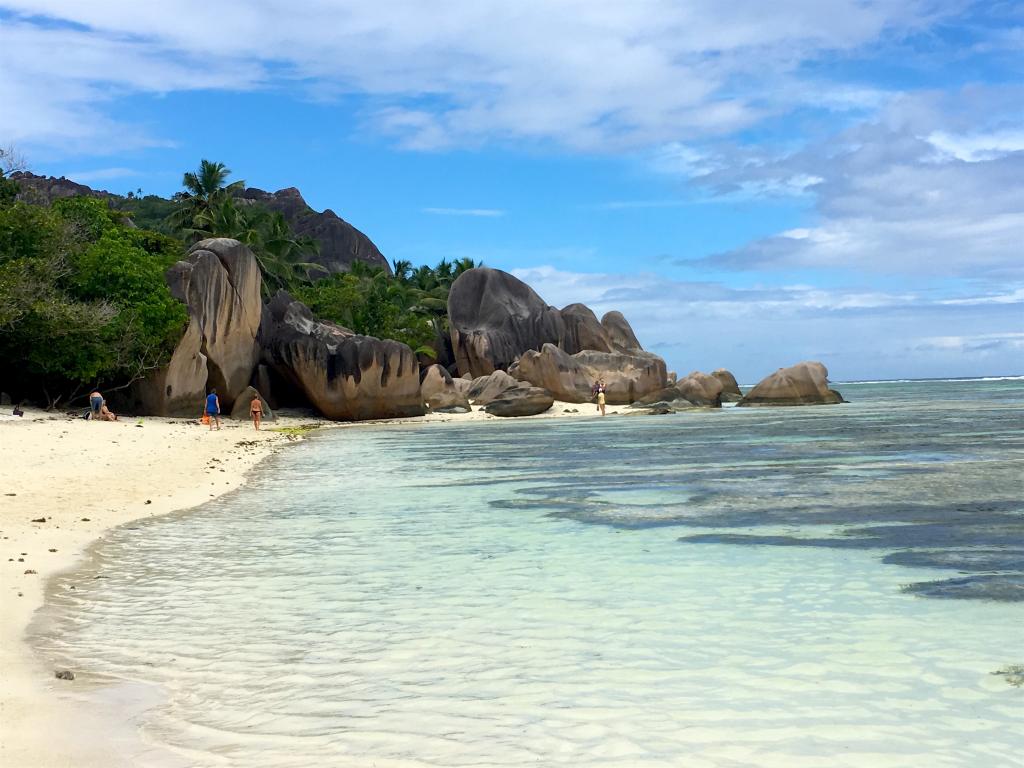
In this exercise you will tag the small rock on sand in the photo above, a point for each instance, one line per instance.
(64, 674)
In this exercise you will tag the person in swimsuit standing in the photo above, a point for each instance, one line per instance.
(256, 411)
(213, 408)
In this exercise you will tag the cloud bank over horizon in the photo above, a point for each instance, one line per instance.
(889, 133)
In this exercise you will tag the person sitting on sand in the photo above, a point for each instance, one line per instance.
(213, 408)
(105, 413)
(95, 404)
(256, 411)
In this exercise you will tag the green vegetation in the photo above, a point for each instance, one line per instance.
(410, 307)
(83, 299)
(209, 207)
(84, 302)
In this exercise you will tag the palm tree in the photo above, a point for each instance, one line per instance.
(464, 265)
(204, 190)
(402, 268)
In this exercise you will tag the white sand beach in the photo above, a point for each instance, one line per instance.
(63, 483)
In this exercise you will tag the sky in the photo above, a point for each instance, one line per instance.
(753, 184)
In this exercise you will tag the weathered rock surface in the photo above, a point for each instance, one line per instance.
(582, 330)
(731, 392)
(440, 391)
(484, 389)
(701, 389)
(220, 284)
(340, 242)
(570, 378)
(521, 401)
(241, 409)
(801, 384)
(345, 376)
(495, 318)
(620, 332)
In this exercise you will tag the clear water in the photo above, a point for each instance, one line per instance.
(704, 589)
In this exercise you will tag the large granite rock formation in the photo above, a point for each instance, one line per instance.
(582, 330)
(521, 401)
(340, 242)
(801, 384)
(441, 392)
(220, 284)
(484, 389)
(345, 376)
(620, 332)
(700, 389)
(494, 318)
(731, 392)
(570, 378)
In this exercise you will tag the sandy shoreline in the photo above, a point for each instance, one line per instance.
(65, 482)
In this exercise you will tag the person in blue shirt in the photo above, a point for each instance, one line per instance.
(213, 408)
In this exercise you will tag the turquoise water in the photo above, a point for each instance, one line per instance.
(830, 586)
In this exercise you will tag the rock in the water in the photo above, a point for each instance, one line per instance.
(441, 393)
(731, 392)
(220, 285)
(583, 330)
(484, 389)
(346, 377)
(495, 318)
(620, 332)
(701, 389)
(801, 384)
(521, 401)
(241, 409)
(570, 378)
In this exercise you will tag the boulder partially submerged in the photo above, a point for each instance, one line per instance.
(801, 384)
(701, 389)
(731, 392)
(345, 376)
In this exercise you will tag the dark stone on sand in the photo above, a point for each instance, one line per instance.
(39, 520)
(64, 674)
(521, 401)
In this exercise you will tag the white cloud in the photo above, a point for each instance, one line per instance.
(593, 74)
(487, 213)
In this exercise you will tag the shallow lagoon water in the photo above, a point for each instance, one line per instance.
(704, 589)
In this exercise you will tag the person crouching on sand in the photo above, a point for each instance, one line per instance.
(256, 411)
(95, 404)
(213, 408)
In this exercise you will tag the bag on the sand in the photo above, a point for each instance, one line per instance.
(206, 418)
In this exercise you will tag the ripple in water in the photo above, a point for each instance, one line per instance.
(512, 594)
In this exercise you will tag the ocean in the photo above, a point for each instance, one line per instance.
(820, 586)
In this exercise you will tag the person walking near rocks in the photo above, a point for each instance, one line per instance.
(213, 408)
(256, 411)
(95, 404)
(599, 389)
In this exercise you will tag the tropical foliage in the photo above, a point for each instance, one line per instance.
(411, 306)
(83, 299)
(209, 207)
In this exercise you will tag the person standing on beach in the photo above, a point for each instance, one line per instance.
(213, 408)
(256, 411)
(600, 396)
(95, 404)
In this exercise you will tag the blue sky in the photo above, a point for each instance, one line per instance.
(753, 184)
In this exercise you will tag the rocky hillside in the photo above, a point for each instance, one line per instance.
(340, 242)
